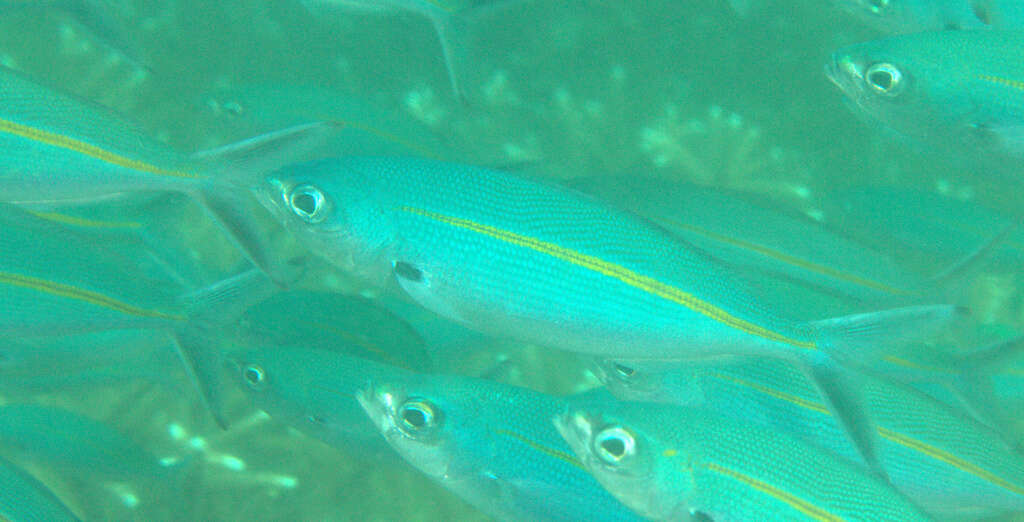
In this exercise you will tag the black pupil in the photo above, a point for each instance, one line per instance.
(414, 417)
(881, 79)
(304, 202)
(614, 446)
(253, 375)
(407, 271)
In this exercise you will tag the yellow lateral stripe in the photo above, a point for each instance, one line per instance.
(893, 436)
(623, 274)
(87, 296)
(950, 459)
(561, 455)
(810, 266)
(1013, 84)
(799, 504)
(81, 147)
(788, 397)
(84, 222)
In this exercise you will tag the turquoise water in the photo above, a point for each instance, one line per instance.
(686, 92)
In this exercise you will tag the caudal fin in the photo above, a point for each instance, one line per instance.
(860, 339)
(242, 165)
(210, 309)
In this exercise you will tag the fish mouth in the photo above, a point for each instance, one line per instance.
(844, 73)
(378, 405)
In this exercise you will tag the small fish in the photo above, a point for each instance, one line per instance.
(947, 463)
(517, 258)
(442, 16)
(367, 130)
(673, 463)
(491, 444)
(75, 443)
(355, 325)
(967, 102)
(23, 498)
(45, 296)
(60, 149)
(314, 391)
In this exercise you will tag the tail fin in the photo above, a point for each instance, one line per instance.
(853, 342)
(968, 266)
(860, 339)
(241, 166)
(452, 47)
(212, 307)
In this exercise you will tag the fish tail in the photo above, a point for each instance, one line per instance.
(212, 308)
(242, 165)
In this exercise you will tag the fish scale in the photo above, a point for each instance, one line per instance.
(692, 460)
(497, 250)
(951, 465)
(495, 447)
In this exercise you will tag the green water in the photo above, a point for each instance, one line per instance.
(685, 91)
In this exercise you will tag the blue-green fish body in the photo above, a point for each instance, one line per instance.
(785, 252)
(955, 90)
(946, 462)
(924, 225)
(75, 443)
(519, 258)
(355, 325)
(314, 391)
(25, 499)
(45, 295)
(491, 444)
(669, 463)
(61, 149)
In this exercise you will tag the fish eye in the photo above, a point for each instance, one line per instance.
(884, 78)
(309, 203)
(418, 415)
(613, 445)
(255, 377)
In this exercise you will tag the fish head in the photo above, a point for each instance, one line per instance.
(883, 84)
(622, 459)
(292, 385)
(329, 207)
(414, 425)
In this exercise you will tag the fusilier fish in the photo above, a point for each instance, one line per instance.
(491, 444)
(519, 258)
(958, 91)
(946, 462)
(674, 463)
(60, 149)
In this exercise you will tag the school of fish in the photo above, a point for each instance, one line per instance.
(179, 324)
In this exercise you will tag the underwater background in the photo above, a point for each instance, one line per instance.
(685, 92)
